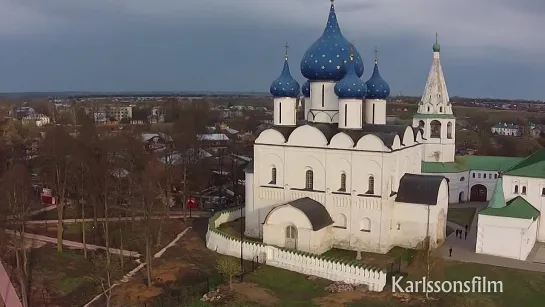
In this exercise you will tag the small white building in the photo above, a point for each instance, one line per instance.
(36, 119)
(507, 229)
(507, 129)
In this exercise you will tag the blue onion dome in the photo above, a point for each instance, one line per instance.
(351, 86)
(327, 59)
(377, 88)
(306, 89)
(285, 85)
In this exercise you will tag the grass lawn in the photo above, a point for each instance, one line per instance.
(234, 229)
(60, 279)
(520, 288)
(461, 216)
(383, 261)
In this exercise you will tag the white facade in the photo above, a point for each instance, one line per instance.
(324, 104)
(505, 237)
(350, 113)
(375, 111)
(285, 111)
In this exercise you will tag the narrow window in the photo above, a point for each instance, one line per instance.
(345, 114)
(473, 175)
(323, 96)
(273, 176)
(371, 188)
(309, 180)
(516, 189)
(279, 113)
(523, 190)
(343, 183)
(479, 175)
(440, 109)
(373, 120)
(495, 176)
(542, 191)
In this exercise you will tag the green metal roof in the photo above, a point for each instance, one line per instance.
(497, 200)
(471, 162)
(533, 166)
(420, 115)
(517, 208)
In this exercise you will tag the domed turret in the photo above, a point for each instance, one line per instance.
(351, 86)
(327, 59)
(377, 92)
(377, 88)
(285, 91)
(306, 89)
(285, 85)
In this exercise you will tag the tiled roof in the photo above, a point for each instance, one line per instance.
(471, 162)
(533, 166)
(517, 208)
(447, 116)
(419, 189)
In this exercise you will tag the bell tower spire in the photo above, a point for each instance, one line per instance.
(434, 114)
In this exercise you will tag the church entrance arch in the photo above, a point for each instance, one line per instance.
(461, 197)
(291, 237)
(478, 193)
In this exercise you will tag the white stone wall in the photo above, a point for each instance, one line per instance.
(534, 195)
(285, 111)
(375, 111)
(505, 237)
(307, 264)
(350, 113)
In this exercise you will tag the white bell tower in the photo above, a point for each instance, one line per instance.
(434, 115)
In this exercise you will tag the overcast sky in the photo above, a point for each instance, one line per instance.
(489, 48)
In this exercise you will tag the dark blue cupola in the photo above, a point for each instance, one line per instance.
(306, 89)
(285, 85)
(327, 59)
(377, 88)
(351, 86)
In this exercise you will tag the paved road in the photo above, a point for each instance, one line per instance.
(117, 219)
(7, 291)
(77, 245)
(464, 250)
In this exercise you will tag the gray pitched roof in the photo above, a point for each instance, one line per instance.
(315, 211)
(419, 189)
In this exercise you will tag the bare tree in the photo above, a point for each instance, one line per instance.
(428, 263)
(229, 267)
(56, 151)
(15, 190)
(104, 272)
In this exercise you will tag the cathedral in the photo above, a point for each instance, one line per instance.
(345, 178)
(339, 178)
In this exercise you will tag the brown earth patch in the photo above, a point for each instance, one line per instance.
(339, 299)
(248, 292)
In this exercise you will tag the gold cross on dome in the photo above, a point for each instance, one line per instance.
(286, 46)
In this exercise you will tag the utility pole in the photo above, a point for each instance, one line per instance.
(241, 242)
(185, 189)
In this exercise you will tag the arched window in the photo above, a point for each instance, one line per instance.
(428, 109)
(463, 179)
(479, 175)
(524, 190)
(371, 183)
(343, 183)
(516, 189)
(421, 124)
(435, 126)
(473, 175)
(365, 225)
(323, 95)
(495, 176)
(440, 109)
(273, 175)
(340, 221)
(449, 130)
(309, 180)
